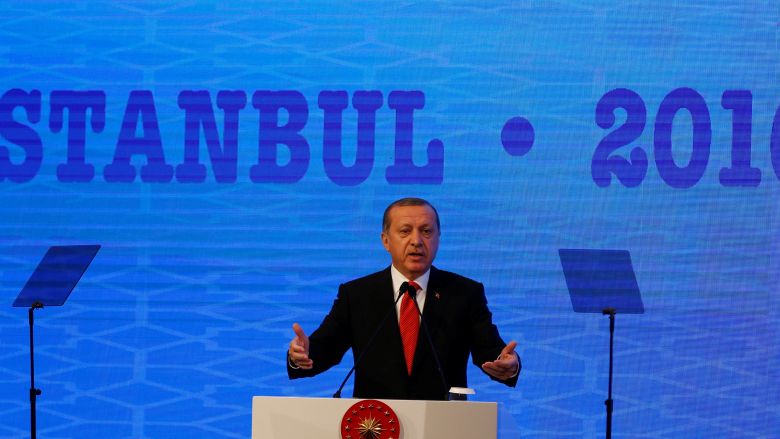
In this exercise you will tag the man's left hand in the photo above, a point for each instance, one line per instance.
(506, 366)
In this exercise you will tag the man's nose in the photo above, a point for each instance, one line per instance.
(416, 238)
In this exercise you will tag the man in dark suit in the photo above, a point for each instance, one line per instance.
(398, 363)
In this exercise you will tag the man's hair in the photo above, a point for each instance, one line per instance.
(409, 201)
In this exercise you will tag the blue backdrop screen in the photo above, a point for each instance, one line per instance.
(234, 160)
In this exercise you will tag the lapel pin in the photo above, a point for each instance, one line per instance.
(437, 295)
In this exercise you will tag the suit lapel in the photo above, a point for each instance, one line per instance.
(386, 293)
(430, 315)
(431, 310)
(392, 337)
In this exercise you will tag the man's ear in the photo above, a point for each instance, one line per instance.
(385, 241)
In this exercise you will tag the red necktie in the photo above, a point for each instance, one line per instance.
(410, 326)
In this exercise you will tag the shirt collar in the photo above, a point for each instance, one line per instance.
(399, 278)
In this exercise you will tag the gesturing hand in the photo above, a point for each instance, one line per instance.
(506, 366)
(298, 352)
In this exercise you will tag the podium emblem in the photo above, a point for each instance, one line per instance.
(370, 419)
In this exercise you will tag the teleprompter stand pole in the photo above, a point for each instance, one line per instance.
(611, 313)
(33, 391)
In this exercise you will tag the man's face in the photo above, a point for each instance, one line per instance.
(412, 239)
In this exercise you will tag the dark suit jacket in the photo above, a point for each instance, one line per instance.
(455, 312)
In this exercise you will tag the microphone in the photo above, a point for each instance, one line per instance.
(413, 294)
(405, 287)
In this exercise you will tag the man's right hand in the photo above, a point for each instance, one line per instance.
(298, 354)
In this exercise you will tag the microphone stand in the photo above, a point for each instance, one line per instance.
(404, 288)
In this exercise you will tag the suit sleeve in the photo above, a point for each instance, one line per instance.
(330, 341)
(486, 343)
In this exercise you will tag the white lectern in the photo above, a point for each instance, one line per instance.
(284, 418)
